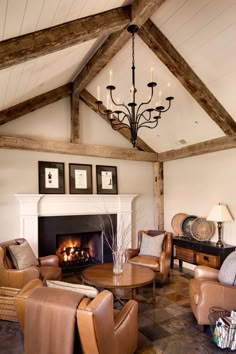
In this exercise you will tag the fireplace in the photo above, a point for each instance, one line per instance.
(77, 240)
(81, 249)
(33, 207)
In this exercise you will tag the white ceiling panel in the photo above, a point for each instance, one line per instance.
(204, 33)
(43, 74)
(18, 17)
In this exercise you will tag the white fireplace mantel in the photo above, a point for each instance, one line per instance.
(34, 205)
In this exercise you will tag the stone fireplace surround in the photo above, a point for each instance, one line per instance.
(32, 206)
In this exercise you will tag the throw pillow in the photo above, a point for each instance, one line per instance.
(151, 245)
(88, 291)
(227, 273)
(22, 255)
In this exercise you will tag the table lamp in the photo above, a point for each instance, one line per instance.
(219, 213)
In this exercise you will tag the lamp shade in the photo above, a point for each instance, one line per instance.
(219, 213)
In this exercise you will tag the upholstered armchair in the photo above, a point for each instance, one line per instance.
(10, 276)
(205, 291)
(159, 262)
(101, 329)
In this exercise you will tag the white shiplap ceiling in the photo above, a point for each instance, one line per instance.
(202, 31)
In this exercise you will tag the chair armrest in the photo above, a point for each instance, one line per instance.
(130, 309)
(131, 252)
(126, 327)
(215, 294)
(20, 300)
(17, 278)
(205, 272)
(49, 261)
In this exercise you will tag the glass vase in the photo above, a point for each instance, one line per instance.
(118, 262)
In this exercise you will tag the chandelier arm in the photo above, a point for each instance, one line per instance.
(121, 120)
(122, 125)
(118, 104)
(165, 110)
(141, 115)
(144, 103)
(148, 120)
(144, 124)
(100, 111)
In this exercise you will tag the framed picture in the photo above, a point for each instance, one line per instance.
(80, 179)
(51, 177)
(106, 179)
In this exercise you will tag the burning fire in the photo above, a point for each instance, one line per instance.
(73, 252)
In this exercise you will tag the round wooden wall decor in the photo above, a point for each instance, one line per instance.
(202, 229)
(176, 223)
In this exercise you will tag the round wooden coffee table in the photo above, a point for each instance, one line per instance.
(133, 277)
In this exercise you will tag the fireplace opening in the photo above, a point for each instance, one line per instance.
(80, 249)
(82, 233)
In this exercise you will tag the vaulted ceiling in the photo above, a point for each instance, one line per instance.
(50, 49)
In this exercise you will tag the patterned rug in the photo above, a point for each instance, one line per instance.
(169, 327)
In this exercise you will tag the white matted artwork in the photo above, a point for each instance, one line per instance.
(80, 178)
(51, 177)
(106, 177)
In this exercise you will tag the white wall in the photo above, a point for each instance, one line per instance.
(19, 169)
(193, 185)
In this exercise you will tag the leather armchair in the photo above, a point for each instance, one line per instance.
(101, 329)
(16, 278)
(160, 265)
(206, 291)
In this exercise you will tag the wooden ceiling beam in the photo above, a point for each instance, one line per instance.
(75, 121)
(165, 51)
(11, 113)
(24, 143)
(89, 100)
(204, 147)
(30, 46)
(141, 10)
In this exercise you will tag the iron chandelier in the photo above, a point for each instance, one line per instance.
(132, 115)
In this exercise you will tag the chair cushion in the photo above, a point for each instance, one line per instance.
(78, 288)
(151, 245)
(146, 261)
(227, 273)
(22, 255)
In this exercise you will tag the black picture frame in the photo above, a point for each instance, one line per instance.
(51, 177)
(80, 178)
(106, 177)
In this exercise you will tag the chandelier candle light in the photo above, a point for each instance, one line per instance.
(132, 115)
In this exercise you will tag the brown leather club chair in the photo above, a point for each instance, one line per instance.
(160, 265)
(101, 330)
(205, 291)
(16, 278)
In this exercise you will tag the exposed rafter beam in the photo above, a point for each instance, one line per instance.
(89, 99)
(11, 113)
(20, 143)
(141, 11)
(165, 51)
(204, 147)
(20, 49)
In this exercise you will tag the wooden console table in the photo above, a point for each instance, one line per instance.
(199, 252)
